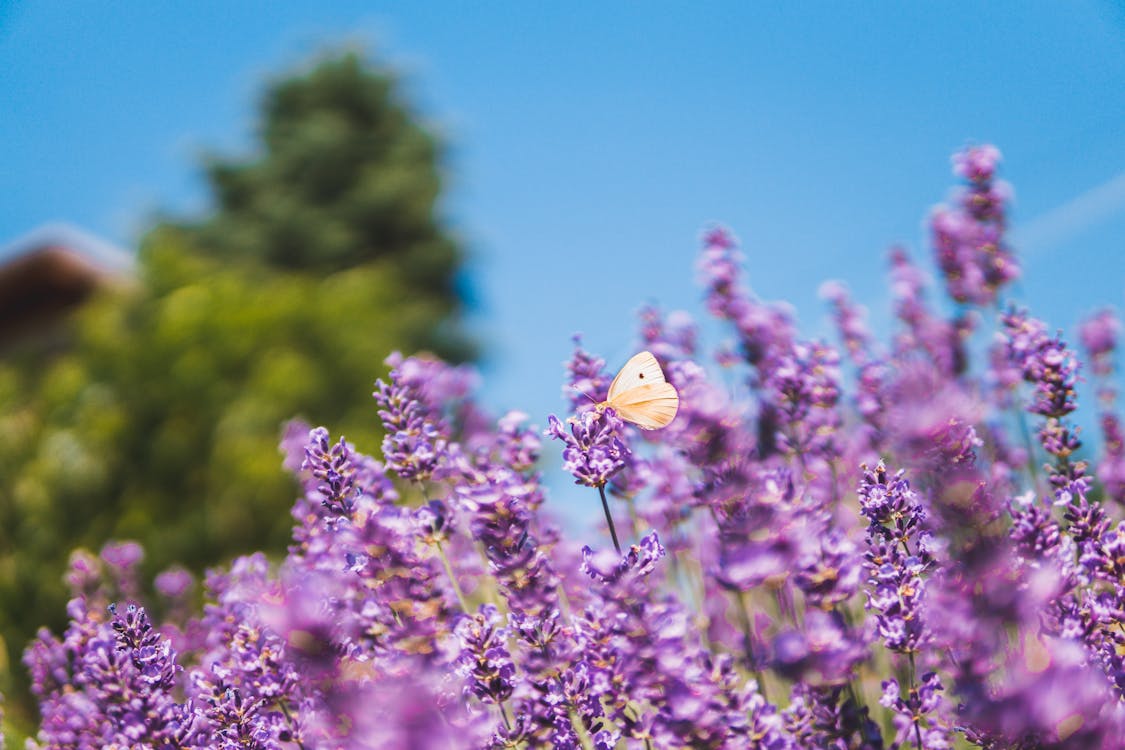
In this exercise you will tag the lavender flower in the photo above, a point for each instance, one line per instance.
(587, 382)
(828, 717)
(925, 334)
(174, 583)
(433, 602)
(1098, 334)
(594, 451)
(1111, 469)
(1046, 363)
(517, 447)
(914, 713)
(969, 238)
(830, 575)
(762, 329)
(897, 557)
(640, 560)
(484, 658)
(332, 465)
(1099, 338)
(122, 560)
(670, 338)
(109, 683)
(803, 389)
(823, 653)
(414, 444)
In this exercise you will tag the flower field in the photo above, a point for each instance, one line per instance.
(860, 544)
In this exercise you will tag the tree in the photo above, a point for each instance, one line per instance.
(162, 419)
(348, 177)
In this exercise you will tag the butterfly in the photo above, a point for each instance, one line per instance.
(640, 394)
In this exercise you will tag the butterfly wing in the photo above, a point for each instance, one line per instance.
(642, 369)
(650, 406)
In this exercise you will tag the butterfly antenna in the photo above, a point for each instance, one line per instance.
(587, 395)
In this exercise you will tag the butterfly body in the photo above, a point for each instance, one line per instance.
(642, 395)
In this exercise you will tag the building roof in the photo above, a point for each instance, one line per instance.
(101, 254)
(49, 272)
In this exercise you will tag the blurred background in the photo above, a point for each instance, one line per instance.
(217, 216)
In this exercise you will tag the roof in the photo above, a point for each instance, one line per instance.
(47, 273)
(103, 255)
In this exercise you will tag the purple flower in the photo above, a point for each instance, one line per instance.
(1047, 699)
(174, 583)
(1046, 363)
(123, 559)
(917, 713)
(830, 575)
(435, 603)
(760, 540)
(608, 568)
(500, 508)
(1099, 338)
(484, 659)
(827, 717)
(761, 328)
(404, 709)
(109, 683)
(1111, 469)
(925, 334)
(670, 338)
(976, 163)
(414, 443)
(898, 554)
(824, 652)
(802, 386)
(594, 450)
(1098, 334)
(332, 465)
(587, 382)
(517, 446)
(968, 238)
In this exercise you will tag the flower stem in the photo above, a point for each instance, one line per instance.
(913, 692)
(583, 735)
(748, 642)
(1025, 433)
(452, 577)
(292, 725)
(609, 518)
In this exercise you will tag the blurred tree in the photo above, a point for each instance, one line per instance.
(161, 421)
(347, 176)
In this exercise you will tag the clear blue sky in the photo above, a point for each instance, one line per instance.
(590, 142)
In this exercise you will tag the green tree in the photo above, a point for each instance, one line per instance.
(161, 421)
(347, 177)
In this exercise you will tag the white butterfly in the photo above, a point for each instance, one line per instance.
(640, 394)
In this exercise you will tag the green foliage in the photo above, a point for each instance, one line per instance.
(161, 420)
(349, 177)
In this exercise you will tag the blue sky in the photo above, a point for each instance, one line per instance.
(590, 143)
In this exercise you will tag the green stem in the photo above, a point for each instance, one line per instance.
(609, 518)
(748, 642)
(1025, 432)
(583, 735)
(452, 577)
(634, 519)
(854, 690)
(912, 693)
(292, 724)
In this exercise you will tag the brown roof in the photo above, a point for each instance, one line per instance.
(48, 273)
